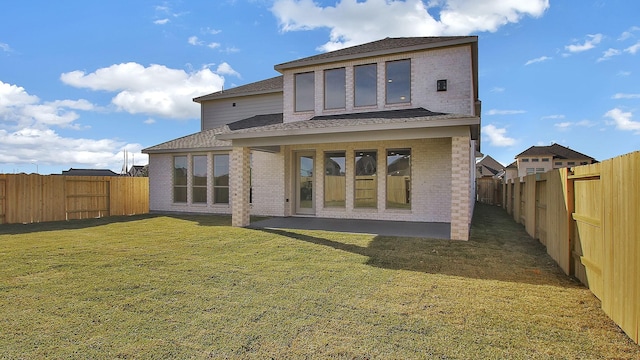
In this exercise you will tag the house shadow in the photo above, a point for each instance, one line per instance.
(34, 227)
(498, 250)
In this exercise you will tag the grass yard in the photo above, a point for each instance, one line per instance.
(194, 287)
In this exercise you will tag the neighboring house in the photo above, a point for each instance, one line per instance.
(89, 172)
(540, 159)
(386, 130)
(511, 171)
(137, 171)
(489, 167)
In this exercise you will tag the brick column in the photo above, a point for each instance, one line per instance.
(239, 173)
(460, 188)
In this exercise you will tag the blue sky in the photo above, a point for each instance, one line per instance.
(81, 82)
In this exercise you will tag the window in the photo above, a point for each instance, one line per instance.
(571, 163)
(221, 179)
(334, 89)
(539, 170)
(399, 179)
(531, 171)
(365, 85)
(304, 87)
(199, 179)
(398, 81)
(535, 160)
(545, 159)
(558, 163)
(366, 183)
(335, 193)
(525, 160)
(180, 179)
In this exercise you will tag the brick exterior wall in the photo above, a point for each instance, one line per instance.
(452, 64)
(239, 185)
(460, 188)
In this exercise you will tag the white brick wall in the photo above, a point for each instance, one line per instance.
(452, 64)
(267, 181)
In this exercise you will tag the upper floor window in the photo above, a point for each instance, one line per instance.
(545, 159)
(398, 78)
(365, 85)
(525, 160)
(334, 89)
(304, 89)
(535, 159)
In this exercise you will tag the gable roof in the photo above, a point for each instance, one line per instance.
(200, 141)
(557, 151)
(378, 48)
(272, 85)
(488, 166)
(208, 139)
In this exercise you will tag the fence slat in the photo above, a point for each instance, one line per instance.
(37, 198)
(592, 226)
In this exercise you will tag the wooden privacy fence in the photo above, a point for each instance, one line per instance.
(37, 198)
(589, 220)
(489, 190)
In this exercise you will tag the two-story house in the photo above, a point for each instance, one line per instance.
(386, 130)
(540, 159)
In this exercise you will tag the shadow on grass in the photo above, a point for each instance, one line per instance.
(499, 249)
(14, 229)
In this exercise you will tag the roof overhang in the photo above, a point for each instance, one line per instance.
(336, 131)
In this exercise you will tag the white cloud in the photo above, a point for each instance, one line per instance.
(226, 69)
(26, 133)
(623, 120)
(611, 52)
(629, 33)
(497, 89)
(590, 43)
(154, 90)
(624, 73)
(161, 21)
(497, 136)
(5, 47)
(553, 117)
(505, 112)
(626, 96)
(19, 108)
(633, 48)
(567, 124)
(537, 60)
(193, 40)
(355, 22)
(213, 45)
(212, 31)
(150, 121)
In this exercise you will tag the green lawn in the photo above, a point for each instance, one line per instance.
(194, 287)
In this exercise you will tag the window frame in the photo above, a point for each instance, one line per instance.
(374, 176)
(194, 183)
(330, 89)
(300, 93)
(335, 203)
(389, 100)
(356, 77)
(214, 185)
(175, 185)
(398, 155)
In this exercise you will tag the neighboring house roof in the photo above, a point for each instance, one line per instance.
(557, 151)
(513, 165)
(267, 86)
(203, 140)
(488, 166)
(89, 172)
(377, 48)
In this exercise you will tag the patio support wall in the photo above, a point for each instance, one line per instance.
(460, 188)
(240, 172)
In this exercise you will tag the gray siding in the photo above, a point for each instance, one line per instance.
(216, 113)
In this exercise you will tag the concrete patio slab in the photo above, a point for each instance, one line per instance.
(373, 227)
